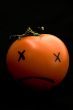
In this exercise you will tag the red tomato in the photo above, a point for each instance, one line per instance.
(40, 62)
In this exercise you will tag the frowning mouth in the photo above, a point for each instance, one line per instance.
(40, 78)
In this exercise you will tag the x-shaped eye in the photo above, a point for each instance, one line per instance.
(57, 57)
(21, 55)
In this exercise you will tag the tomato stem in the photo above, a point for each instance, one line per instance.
(28, 32)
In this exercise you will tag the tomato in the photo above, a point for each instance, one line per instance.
(39, 62)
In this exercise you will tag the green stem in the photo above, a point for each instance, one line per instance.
(28, 32)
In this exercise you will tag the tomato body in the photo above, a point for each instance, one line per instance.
(38, 61)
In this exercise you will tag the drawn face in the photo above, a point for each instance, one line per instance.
(39, 62)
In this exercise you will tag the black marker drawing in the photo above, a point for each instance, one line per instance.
(57, 57)
(35, 77)
(21, 55)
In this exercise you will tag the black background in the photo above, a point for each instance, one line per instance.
(57, 20)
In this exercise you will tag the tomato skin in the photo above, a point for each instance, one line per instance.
(40, 60)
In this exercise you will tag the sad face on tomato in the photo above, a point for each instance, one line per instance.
(39, 62)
